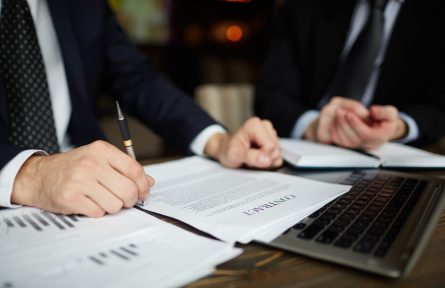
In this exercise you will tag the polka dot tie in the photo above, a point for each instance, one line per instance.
(21, 66)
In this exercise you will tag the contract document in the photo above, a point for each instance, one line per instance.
(129, 249)
(234, 205)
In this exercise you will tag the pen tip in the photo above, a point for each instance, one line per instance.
(119, 111)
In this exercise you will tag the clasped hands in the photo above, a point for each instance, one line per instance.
(99, 178)
(348, 123)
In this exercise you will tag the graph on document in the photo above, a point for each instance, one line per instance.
(40, 221)
(102, 262)
(31, 227)
(122, 253)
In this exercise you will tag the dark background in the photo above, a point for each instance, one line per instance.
(193, 42)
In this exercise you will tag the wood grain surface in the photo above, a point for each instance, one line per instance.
(261, 266)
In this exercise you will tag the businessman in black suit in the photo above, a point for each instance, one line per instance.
(56, 58)
(305, 88)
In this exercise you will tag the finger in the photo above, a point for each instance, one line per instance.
(124, 164)
(326, 119)
(151, 183)
(257, 133)
(275, 154)
(384, 113)
(257, 158)
(350, 105)
(363, 131)
(352, 138)
(85, 206)
(333, 133)
(342, 139)
(275, 157)
(277, 160)
(104, 198)
(119, 185)
(270, 129)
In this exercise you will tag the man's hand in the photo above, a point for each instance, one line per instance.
(254, 144)
(320, 129)
(351, 131)
(91, 180)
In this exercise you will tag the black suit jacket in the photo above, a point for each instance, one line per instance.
(305, 50)
(99, 59)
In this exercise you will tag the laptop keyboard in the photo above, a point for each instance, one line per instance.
(368, 218)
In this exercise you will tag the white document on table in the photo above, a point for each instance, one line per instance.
(233, 204)
(129, 249)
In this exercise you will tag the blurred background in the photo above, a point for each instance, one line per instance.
(211, 49)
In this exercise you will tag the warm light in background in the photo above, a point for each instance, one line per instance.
(234, 33)
(229, 32)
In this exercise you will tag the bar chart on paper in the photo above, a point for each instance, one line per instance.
(40, 221)
(98, 252)
(122, 253)
(31, 227)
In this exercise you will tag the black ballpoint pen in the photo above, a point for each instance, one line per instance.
(125, 132)
(126, 138)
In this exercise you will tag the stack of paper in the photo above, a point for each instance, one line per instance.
(130, 249)
(235, 205)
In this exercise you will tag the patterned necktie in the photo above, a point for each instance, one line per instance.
(21, 65)
(354, 74)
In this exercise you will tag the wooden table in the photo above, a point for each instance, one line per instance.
(261, 266)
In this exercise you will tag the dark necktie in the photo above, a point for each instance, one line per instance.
(21, 65)
(354, 74)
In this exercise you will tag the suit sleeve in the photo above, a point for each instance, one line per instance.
(278, 91)
(429, 111)
(147, 94)
(427, 103)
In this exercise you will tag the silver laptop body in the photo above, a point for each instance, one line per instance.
(406, 246)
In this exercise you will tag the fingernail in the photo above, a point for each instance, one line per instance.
(264, 160)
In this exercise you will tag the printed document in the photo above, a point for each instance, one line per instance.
(233, 204)
(129, 249)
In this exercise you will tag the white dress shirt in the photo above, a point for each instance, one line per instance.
(358, 22)
(60, 99)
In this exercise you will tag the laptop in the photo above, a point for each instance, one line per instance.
(381, 225)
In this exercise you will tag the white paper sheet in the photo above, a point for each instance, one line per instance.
(232, 205)
(399, 155)
(273, 232)
(306, 154)
(130, 249)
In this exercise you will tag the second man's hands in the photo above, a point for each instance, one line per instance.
(347, 123)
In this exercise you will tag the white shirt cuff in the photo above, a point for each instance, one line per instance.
(8, 174)
(303, 123)
(199, 143)
(413, 129)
